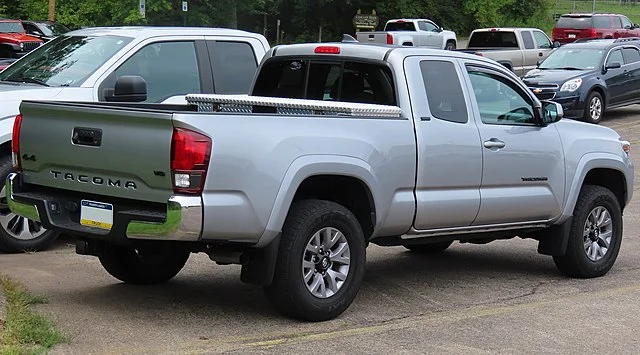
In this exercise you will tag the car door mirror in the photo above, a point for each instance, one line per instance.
(556, 44)
(129, 88)
(551, 112)
(613, 65)
(539, 62)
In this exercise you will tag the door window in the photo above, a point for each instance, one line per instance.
(499, 100)
(617, 23)
(602, 21)
(169, 68)
(444, 93)
(615, 56)
(527, 40)
(626, 23)
(542, 41)
(630, 55)
(234, 66)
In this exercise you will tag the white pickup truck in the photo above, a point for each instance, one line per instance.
(84, 65)
(412, 33)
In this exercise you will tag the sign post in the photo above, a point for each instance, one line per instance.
(185, 8)
(52, 10)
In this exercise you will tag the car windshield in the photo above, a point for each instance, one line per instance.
(573, 58)
(65, 61)
(11, 27)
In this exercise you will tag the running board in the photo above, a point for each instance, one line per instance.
(415, 234)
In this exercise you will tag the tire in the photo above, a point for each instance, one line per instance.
(302, 298)
(451, 45)
(594, 108)
(18, 234)
(148, 266)
(576, 262)
(431, 248)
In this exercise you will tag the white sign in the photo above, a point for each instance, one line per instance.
(142, 8)
(184, 6)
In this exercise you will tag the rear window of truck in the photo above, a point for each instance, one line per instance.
(575, 22)
(400, 26)
(326, 80)
(500, 39)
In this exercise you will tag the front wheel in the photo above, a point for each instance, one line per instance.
(321, 261)
(594, 108)
(19, 234)
(143, 266)
(451, 45)
(595, 236)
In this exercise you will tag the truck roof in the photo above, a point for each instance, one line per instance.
(151, 31)
(365, 51)
(492, 29)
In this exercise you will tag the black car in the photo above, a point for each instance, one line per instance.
(45, 30)
(589, 76)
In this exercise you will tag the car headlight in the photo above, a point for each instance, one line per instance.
(571, 85)
(21, 45)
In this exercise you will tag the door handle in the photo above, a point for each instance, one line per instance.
(540, 54)
(494, 143)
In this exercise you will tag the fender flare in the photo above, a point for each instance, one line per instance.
(310, 165)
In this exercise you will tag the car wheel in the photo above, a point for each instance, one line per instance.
(143, 266)
(451, 45)
(431, 248)
(321, 261)
(594, 108)
(595, 236)
(19, 234)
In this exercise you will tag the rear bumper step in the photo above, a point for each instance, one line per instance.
(179, 220)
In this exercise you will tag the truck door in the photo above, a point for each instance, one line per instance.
(430, 35)
(523, 174)
(449, 166)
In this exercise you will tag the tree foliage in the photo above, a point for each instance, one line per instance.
(300, 20)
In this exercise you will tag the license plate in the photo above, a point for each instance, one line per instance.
(96, 214)
(572, 36)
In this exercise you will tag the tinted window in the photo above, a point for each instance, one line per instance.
(492, 39)
(602, 22)
(66, 61)
(574, 22)
(234, 66)
(626, 23)
(400, 26)
(169, 68)
(617, 23)
(444, 93)
(326, 80)
(427, 26)
(500, 101)
(542, 41)
(527, 40)
(30, 28)
(615, 56)
(631, 55)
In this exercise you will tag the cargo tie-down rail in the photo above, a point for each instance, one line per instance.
(288, 106)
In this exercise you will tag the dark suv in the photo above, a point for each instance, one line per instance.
(589, 76)
(570, 27)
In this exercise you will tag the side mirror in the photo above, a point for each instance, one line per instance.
(613, 65)
(539, 62)
(556, 44)
(551, 112)
(129, 88)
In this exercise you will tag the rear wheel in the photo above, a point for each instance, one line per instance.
(451, 45)
(143, 266)
(594, 108)
(321, 261)
(431, 248)
(19, 234)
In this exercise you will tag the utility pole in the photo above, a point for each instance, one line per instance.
(52, 10)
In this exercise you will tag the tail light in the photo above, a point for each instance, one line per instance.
(190, 154)
(15, 144)
(389, 38)
(592, 33)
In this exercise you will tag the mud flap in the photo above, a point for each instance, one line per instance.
(554, 241)
(262, 264)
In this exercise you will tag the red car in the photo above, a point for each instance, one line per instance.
(14, 41)
(571, 27)
(5, 63)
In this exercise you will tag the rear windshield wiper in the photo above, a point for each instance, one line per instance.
(27, 80)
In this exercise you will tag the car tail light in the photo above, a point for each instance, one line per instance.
(327, 50)
(592, 33)
(389, 38)
(15, 144)
(190, 154)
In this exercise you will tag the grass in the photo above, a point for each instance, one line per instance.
(23, 331)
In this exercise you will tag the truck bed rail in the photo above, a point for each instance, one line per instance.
(287, 106)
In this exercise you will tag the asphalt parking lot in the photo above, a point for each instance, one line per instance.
(502, 297)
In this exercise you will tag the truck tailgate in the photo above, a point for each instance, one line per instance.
(117, 153)
(372, 37)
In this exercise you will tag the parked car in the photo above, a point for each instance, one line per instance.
(411, 32)
(45, 30)
(84, 65)
(411, 146)
(590, 76)
(518, 49)
(14, 41)
(571, 27)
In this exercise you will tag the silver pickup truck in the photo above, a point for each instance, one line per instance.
(519, 49)
(339, 145)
